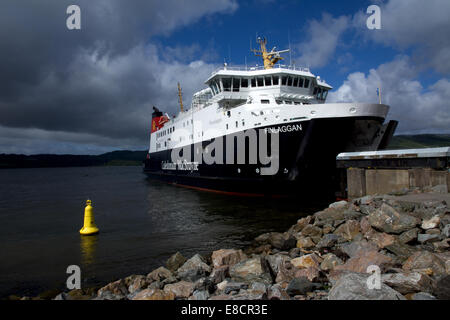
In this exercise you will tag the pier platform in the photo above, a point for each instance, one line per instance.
(383, 172)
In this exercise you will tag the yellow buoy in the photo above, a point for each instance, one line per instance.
(89, 226)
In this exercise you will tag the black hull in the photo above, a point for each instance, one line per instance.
(307, 161)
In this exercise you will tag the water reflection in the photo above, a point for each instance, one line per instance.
(88, 247)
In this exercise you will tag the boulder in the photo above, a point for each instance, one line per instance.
(116, 290)
(431, 223)
(276, 292)
(311, 231)
(305, 243)
(353, 286)
(227, 257)
(356, 247)
(442, 246)
(219, 274)
(428, 238)
(388, 220)
(328, 241)
(348, 230)
(381, 239)
(282, 241)
(446, 231)
(250, 270)
(339, 205)
(193, 269)
(330, 261)
(306, 261)
(311, 273)
(408, 282)
(401, 250)
(234, 286)
(422, 296)
(200, 295)
(182, 289)
(275, 261)
(137, 283)
(159, 274)
(422, 260)
(361, 261)
(300, 286)
(409, 236)
(154, 294)
(175, 261)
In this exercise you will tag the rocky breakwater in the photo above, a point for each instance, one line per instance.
(323, 256)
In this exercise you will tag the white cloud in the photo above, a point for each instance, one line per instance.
(323, 39)
(423, 26)
(418, 109)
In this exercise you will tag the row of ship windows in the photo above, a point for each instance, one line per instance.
(234, 84)
(172, 129)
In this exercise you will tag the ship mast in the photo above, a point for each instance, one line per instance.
(180, 97)
(269, 58)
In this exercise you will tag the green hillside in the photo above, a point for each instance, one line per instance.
(420, 141)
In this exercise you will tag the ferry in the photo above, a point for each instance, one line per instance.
(262, 131)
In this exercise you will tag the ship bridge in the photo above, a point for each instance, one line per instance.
(234, 86)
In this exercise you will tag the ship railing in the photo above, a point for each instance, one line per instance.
(260, 68)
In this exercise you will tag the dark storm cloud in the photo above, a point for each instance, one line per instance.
(100, 80)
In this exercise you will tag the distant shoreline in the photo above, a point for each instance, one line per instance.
(135, 158)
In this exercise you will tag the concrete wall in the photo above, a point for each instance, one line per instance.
(361, 182)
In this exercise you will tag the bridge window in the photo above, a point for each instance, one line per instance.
(265, 101)
(289, 82)
(276, 80)
(283, 80)
(253, 82)
(295, 83)
(244, 83)
(325, 94)
(236, 84)
(307, 83)
(279, 101)
(300, 82)
(315, 91)
(268, 81)
(260, 82)
(226, 83)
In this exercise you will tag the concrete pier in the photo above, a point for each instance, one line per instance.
(382, 172)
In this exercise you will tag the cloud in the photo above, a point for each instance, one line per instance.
(421, 26)
(323, 39)
(100, 81)
(417, 108)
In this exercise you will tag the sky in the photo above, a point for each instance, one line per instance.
(91, 91)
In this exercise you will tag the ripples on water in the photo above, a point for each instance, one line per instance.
(142, 222)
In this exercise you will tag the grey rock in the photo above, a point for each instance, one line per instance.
(388, 220)
(282, 241)
(193, 269)
(408, 282)
(422, 296)
(401, 250)
(354, 248)
(200, 295)
(275, 292)
(175, 261)
(328, 241)
(254, 269)
(409, 236)
(428, 238)
(235, 286)
(446, 231)
(353, 286)
(330, 261)
(300, 286)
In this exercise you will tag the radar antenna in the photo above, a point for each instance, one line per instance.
(269, 58)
